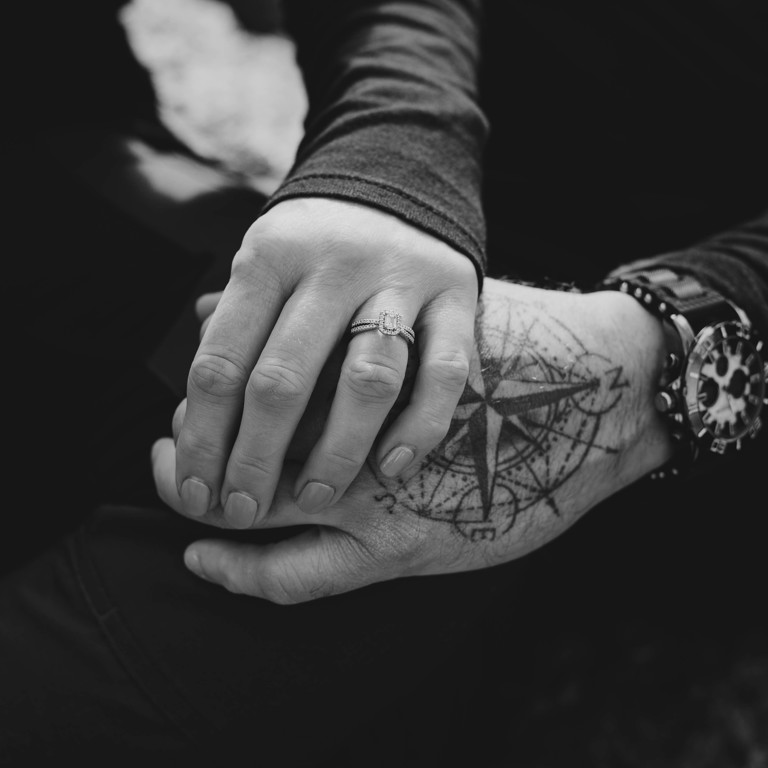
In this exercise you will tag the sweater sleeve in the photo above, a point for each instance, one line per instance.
(733, 262)
(393, 119)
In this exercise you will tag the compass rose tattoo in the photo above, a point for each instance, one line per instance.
(529, 417)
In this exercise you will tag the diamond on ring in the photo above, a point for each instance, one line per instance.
(389, 323)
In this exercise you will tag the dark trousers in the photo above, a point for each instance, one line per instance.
(112, 653)
(111, 649)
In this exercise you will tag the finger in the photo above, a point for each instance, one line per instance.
(204, 326)
(216, 384)
(371, 378)
(286, 512)
(319, 562)
(178, 419)
(206, 304)
(164, 473)
(446, 338)
(204, 309)
(277, 394)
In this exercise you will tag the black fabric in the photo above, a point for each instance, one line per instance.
(139, 659)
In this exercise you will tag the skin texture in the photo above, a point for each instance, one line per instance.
(306, 269)
(556, 416)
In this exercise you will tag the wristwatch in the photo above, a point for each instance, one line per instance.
(714, 388)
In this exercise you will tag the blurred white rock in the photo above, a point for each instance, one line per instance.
(232, 96)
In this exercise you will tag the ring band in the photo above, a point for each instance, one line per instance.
(390, 323)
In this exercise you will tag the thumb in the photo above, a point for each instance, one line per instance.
(319, 562)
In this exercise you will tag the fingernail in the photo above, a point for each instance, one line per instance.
(240, 510)
(195, 496)
(314, 495)
(396, 461)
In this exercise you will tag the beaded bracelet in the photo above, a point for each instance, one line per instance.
(685, 447)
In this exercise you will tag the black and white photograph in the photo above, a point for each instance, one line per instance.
(387, 384)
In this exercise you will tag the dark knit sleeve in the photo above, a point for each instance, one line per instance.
(733, 262)
(393, 119)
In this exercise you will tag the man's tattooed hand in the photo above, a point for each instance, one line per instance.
(557, 415)
(529, 419)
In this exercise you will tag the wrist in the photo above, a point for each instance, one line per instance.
(642, 344)
(609, 338)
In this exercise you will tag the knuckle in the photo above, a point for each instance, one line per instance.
(260, 274)
(243, 260)
(432, 430)
(265, 260)
(342, 460)
(249, 259)
(216, 375)
(248, 468)
(450, 372)
(274, 382)
(243, 581)
(282, 586)
(232, 585)
(307, 586)
(372, 379)
(200, 445)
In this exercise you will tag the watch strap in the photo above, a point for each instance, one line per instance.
(689, 307)
(691, 301)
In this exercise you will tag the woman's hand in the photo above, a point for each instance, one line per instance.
(306, 270)
(557, 415)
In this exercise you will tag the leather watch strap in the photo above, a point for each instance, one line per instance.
(695, 304)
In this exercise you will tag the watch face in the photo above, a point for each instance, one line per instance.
(725, 385)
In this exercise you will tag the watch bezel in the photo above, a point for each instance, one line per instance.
(710, 337)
